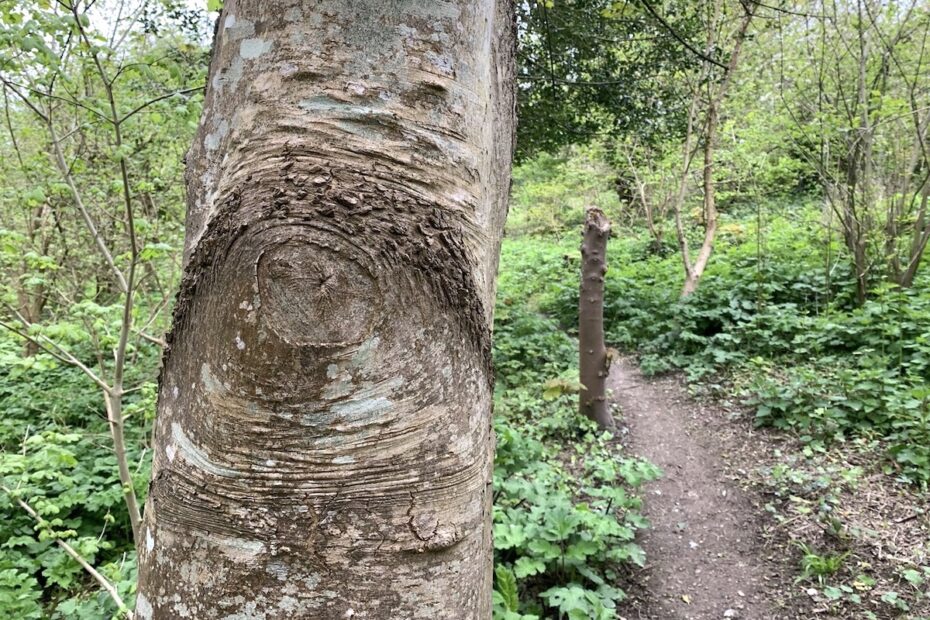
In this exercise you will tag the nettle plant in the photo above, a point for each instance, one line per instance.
(564, 520)
(565, 512)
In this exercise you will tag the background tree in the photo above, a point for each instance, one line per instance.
(50, 98)
(863, 124)
(726, 28)
(89, 217)
(605, 68)
(591, 68)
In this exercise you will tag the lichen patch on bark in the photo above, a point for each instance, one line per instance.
(250, 49)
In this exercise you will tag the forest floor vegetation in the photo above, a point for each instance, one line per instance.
(749, 523)
(818, 406)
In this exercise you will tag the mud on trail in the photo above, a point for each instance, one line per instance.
(706, 558)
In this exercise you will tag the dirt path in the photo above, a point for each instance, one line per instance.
(705, 556)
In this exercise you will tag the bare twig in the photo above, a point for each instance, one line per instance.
(154, 340)
(82, 209)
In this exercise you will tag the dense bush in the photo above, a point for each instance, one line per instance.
(551, 192)
(55, 455)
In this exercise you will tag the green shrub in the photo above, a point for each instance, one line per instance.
(772, 323)
(55, 455)
(564, 514)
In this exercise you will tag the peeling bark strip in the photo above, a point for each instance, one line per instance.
(323, 434)
(593, 359)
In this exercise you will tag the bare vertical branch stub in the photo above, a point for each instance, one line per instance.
(593, 359)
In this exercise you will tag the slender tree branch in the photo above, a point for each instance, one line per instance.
(12, 86)
(82, 208)
(154, 340)
(185, 91)
(58, 353)
(49, 95)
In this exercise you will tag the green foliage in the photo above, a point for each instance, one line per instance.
(819, 566)
(55, 455)
(564, 512)
(506, 596)
(575, 82)
(775, 323)
(59, 151)
(551, 192)
(20, 594)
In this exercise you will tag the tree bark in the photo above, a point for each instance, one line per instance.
(921, 236)
(593, 361)
(324, 444)
(678, 203)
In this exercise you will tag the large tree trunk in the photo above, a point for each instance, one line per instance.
(324, 444)
(593, 361)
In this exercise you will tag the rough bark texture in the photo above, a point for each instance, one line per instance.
(324, 444)
(593, 360)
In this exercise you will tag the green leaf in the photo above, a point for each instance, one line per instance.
(913, 577)
(506, 587)
(526, 567)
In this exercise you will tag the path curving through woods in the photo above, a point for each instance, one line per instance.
(705, 557)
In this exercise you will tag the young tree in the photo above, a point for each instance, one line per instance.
(652, 179)
(323, 442)
(709, 88)
(861, 120)
(78, 250)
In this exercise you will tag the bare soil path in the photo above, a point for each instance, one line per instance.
(706, 559)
